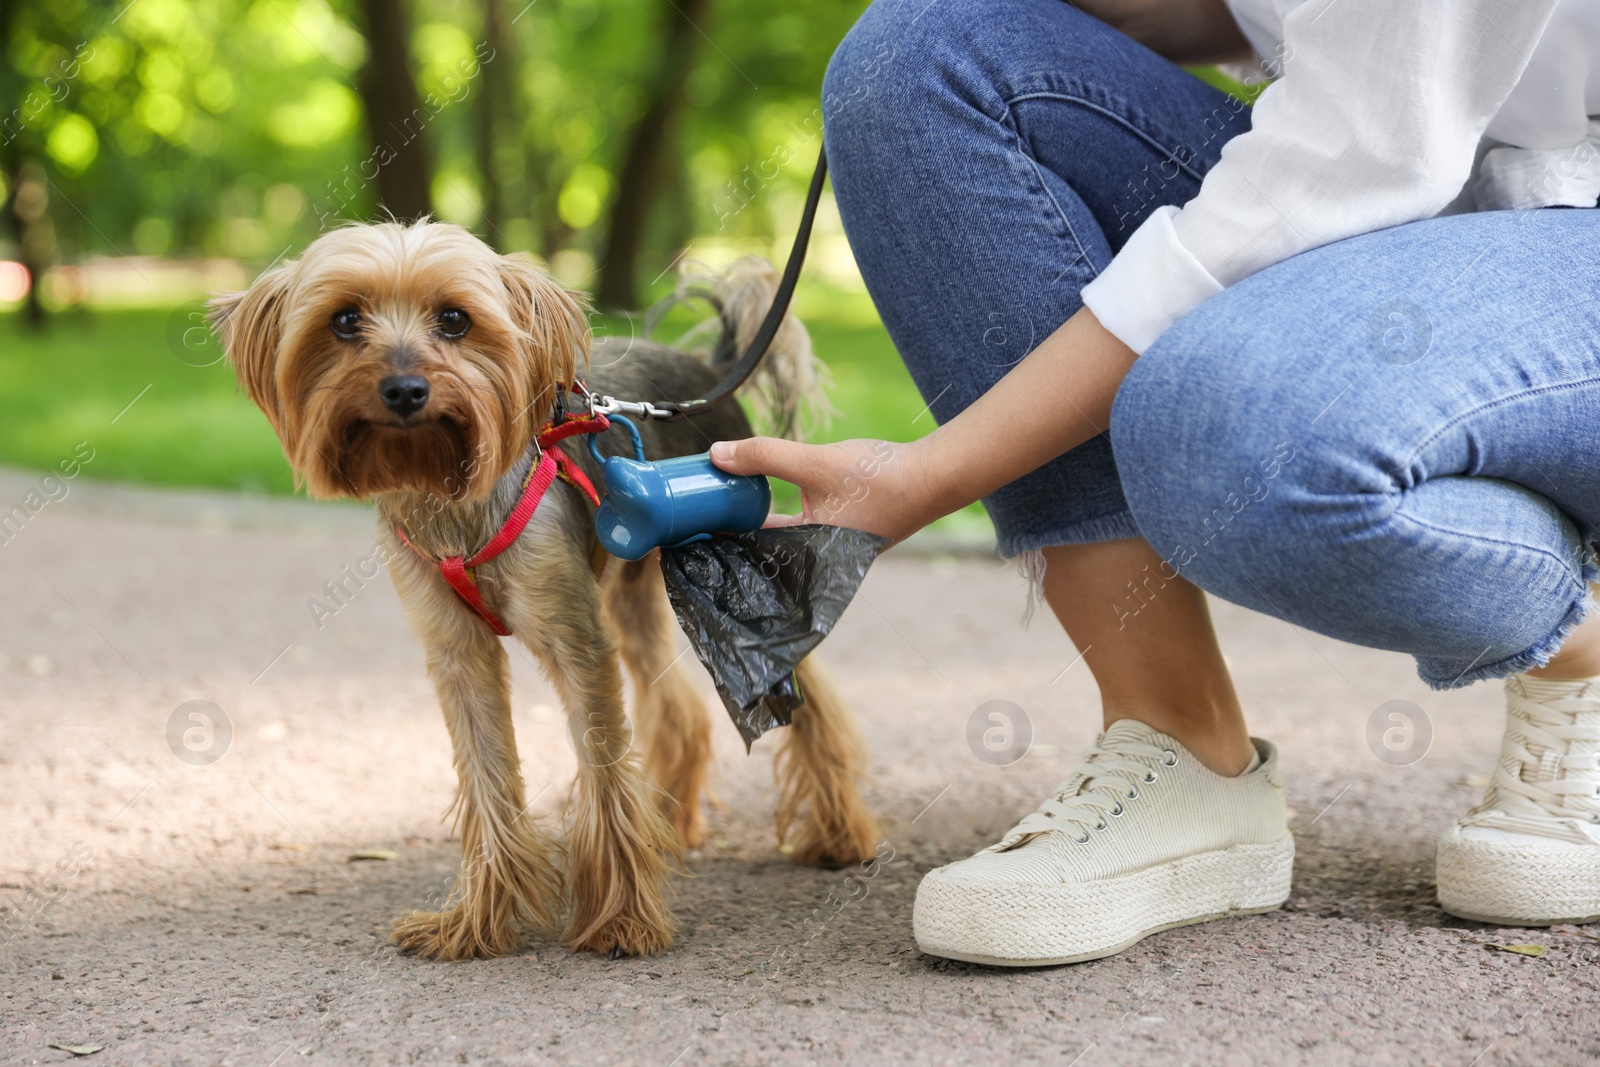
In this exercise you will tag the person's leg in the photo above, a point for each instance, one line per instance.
(1392, 441)
(1146, 635)
(1387, 440)
(1578, 657)
(988, 159)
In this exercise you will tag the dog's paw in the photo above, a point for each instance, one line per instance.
(623, 936)
(453, 935)
(620, 853)
(689, 823)
(850, 837)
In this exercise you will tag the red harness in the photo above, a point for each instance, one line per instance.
(553, 463)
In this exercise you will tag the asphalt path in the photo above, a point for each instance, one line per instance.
(181, 912)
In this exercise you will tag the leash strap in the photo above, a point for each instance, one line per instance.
(672, 410)
(553, 463)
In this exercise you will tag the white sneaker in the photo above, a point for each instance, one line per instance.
(1529, 855)
(1140, 838)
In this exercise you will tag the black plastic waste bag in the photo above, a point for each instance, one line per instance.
(753, 604)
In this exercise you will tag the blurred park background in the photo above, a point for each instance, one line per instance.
(155, 150)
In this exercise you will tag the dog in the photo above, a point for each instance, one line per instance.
(413, 366)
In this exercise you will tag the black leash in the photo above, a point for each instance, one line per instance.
(669, 410)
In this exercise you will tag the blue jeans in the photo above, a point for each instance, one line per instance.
(1393, 440)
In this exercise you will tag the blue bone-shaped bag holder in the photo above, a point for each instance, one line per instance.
(651, 504)
(754, 602)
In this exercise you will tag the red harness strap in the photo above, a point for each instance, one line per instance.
(553, 463)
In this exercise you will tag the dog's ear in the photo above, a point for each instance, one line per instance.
(250, 325)
(554, 322)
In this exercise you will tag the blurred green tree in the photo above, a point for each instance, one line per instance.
(244, 127)
(396, 121)
(644, 166)
(499, 114)
(609, 131)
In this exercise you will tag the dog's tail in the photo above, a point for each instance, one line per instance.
(788, 389)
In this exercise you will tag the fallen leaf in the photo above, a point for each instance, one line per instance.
(79, 1050)
(1523, 950)
(373, 854)
(308, 892)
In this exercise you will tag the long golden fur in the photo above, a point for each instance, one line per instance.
(313, 341)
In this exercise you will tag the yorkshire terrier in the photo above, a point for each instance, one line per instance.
(413, 366)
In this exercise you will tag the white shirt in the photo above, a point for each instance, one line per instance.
(1385, 112)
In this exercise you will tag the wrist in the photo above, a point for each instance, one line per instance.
(932, 481)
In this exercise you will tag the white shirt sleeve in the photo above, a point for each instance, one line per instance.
(1374, 122)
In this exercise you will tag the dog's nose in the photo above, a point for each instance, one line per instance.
(404, 393)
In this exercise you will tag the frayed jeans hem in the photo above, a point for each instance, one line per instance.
(1442, 673)
(1118, 526)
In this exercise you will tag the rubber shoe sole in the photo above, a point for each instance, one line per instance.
(1073, 922)
(1509, 884)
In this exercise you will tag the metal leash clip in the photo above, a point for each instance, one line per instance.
(639, 409)
(739, 373)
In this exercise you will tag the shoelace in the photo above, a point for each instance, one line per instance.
(1539, 778)
(1098, 790)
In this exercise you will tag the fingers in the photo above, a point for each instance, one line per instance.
(773, 456)
(833, 479)
(763, 455)
(775, 519)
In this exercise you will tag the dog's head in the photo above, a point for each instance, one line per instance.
(403, 357)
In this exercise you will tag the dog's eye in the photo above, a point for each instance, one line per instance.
(346, 323)
(454, 323)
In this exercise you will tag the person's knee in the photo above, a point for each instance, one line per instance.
(904, 58)
(912, 78)
(883, 80)
(1176, 425)
(1209, 481)
(863, 63)
(882, 98)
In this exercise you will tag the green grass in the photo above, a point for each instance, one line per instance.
(124, 382)
(187, 426)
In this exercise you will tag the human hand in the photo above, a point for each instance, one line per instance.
(877, 486)
(896, 489)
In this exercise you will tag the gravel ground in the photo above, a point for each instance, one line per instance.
(210, 914)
